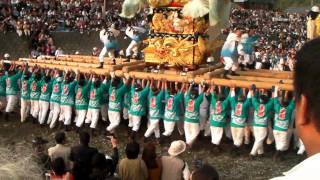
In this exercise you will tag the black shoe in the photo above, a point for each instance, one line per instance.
(133, 135)
(113, 62)
(34, 120)
(101, 65)
(77, 130)
(127, 59)
(233, 73)
(252, 157)
(225, 73)
(61, 125)
(67, 128)
(6, 116)
(92, 134)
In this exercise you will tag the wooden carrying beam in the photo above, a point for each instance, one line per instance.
(261, 79)
(198, 80)
(269, 74)
(175, 78)
(204, 70)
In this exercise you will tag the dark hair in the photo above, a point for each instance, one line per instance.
(58, 166)
(305, 77)
(60, 137)
(149, 156)
(132, 150)
(84, 138)
(206, 172)
(99, 161)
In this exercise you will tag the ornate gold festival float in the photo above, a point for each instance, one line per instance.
(176, 40)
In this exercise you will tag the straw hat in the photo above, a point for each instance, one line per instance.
(177, 147)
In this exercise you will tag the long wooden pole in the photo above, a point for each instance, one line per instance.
(175, 78)
(262, 79)
(266, 74)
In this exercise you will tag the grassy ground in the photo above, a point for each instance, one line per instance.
(13, 134)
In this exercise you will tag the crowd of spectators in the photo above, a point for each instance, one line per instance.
(38, 18)
(85, 162)
(27, 16)
(281, 35)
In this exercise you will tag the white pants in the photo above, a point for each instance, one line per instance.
(133, 47)
(191, 131)
(203, 120)
(66, 114)
(270, 138)
(289, 136)
(43, 110)
(216, 134)
(104, 112)
(230, 64)
(168, 127)
(301, 148)
(12, 101)
(34, 111)
(237, 136)
(260, 134)
(130, 123)
(80, 117)
(92, 117)
(281, 140)
(136, 122)
(114, 118)
(104, 52)
(246, 59)
(153, 127)
(125, 113)
(25, 108)
(54, 114)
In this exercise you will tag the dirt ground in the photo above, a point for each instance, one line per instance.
(13, 134)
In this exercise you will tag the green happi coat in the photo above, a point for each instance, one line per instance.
(261, 112)
(25, 88)
(155, 105)
(3, 86)
(12, 87)
(116, 97)
(172, 111)
(82, 96)
(138, 101)
(283, 115)
(218, 111)
(67, 93)
(35, 89)
(192, 108)
(46, 90)
(56, 90)
(239, 112)
(95, 96)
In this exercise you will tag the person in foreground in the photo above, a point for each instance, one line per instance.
(307, 89)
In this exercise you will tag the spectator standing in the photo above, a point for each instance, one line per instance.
(206, 172)
(132, 167)
(61, 150)
(153, 162)
(81, 156)
(104, 166)
(172, 166)
(59, 171)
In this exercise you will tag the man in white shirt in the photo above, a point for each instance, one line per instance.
(307, 111)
